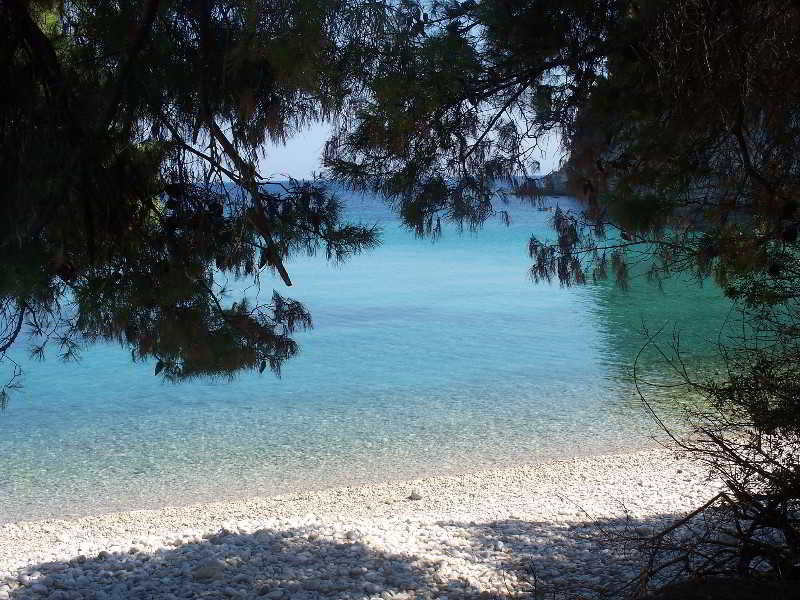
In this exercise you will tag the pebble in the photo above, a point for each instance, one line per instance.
(210, 569)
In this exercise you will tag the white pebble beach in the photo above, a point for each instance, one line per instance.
(474, 535)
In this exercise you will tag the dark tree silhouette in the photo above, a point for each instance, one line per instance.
(679, 121)
(130, 135)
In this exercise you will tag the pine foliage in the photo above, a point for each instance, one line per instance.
(130, 136)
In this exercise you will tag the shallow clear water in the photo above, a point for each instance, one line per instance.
(425, 358)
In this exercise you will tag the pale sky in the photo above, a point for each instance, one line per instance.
(302, 154)
(299, 157)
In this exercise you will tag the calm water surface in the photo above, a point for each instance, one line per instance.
(425, 358)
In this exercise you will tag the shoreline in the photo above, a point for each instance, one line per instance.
(310, 483)
(541, 510)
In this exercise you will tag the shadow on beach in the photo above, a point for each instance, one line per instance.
(480, 560)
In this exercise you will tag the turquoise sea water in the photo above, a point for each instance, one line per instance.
(425, 358)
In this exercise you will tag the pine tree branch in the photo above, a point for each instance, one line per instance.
(494, 120)
(151, 10)
(189, 148)
(17, 328)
